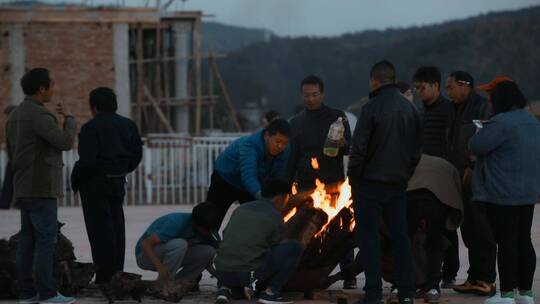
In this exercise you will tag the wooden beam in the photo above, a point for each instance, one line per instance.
(225, 94)
(198, 74)
(140, 75)
(158, 84)
(159, 113)
(211, 94)
(175, 58)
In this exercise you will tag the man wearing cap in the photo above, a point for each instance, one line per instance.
(476, 232)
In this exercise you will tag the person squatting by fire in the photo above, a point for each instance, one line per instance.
(415, 174)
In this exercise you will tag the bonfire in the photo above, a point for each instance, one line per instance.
(323, 220)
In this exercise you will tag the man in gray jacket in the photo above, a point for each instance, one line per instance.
(35, 143)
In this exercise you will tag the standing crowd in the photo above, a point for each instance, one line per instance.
(465, 162)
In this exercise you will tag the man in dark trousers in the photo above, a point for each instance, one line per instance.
(35, 143)
(109, 148)
(385, 149)
(476, 231)
(436, 110)
(309, 132)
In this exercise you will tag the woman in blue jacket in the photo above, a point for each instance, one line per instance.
(507, 181)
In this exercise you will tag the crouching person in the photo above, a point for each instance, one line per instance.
(434, 199)
(179, 246)
(254, 246)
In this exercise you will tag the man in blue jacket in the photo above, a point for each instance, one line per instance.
(179, 246)
(246, 163)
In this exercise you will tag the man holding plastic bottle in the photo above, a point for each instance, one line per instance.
(311, 139)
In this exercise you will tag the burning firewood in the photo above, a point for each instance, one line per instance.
(323, 221)
(305, 224)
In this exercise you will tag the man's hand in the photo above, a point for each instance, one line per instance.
(63, 109)
(164, 274)
(467, 176)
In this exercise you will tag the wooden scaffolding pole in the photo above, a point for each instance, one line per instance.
(159, 113)
(158, 84)
(226, 97)
(198, 74)
(140, 75)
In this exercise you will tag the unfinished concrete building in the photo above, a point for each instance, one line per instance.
(151, 58)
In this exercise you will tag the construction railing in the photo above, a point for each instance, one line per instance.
(174, 170)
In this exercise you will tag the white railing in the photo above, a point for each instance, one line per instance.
(174, 170)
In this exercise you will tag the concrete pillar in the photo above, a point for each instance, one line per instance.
(17, 56)
(182, 48)
(121, 68)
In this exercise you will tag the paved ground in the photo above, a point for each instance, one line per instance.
(138, 218)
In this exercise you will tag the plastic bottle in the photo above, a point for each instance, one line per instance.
(334, 138)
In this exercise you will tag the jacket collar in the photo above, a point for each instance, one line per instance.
(381, 89)
(33, 101)
(437, 102)
(322, 108)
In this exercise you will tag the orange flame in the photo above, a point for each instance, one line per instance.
(314, 163)
(323, 201)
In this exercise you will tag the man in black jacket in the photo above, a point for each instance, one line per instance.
(109, 148)
(476, 232)
(309, 132)
(385, 149)
(436, 110)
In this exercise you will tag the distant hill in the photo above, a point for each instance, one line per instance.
(222, 38)
(487, 45)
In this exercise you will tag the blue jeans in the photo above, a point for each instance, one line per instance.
(36, 247)
(277, 266)
(373, 201)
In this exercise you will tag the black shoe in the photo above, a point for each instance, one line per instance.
(406, 301)
(266, 298)
(393, 297)
(420, 293)
(223, 295)
(433, 296)
(349, 284)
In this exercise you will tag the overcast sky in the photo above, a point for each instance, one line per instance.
(334, 17)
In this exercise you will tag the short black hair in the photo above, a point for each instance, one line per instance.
(403, 86)
(206, 215)
(463, 78)
(103, 99)
(274, 187)
(383, 71)
(507, 96)
(271, 115)
(429, 74)
(312, 79)
(35, 79)
(280, 126)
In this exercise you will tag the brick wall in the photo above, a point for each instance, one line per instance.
(79, 56)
